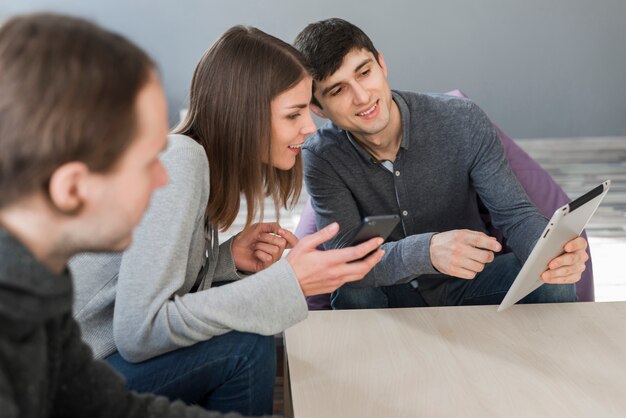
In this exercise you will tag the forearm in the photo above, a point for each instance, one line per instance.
(403, 261)
(265, 303)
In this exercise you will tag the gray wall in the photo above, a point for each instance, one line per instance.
(539, 68)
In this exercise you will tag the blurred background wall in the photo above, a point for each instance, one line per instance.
(540, 69)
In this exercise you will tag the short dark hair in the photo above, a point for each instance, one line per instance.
(230, 116)
(67, 93)
(325, 44)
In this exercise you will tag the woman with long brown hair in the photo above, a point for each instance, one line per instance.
(158, 313)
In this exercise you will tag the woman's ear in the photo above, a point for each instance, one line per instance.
(67, 187)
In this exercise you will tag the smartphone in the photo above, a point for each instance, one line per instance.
(374, 226)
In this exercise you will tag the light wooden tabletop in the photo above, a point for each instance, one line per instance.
(556, 360)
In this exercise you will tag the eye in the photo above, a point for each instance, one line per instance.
(293, 116)
(335, 92)
(365, 73)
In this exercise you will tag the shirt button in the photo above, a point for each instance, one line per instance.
(397, 173)
(405, 213)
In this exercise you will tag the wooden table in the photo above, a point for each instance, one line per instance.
(553, 360)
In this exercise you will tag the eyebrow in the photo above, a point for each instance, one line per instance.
(296, 106)
(356, 69)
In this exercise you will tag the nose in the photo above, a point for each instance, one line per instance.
(161, 177)
(361, 94)
(309, 126)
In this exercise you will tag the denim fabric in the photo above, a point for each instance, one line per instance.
(396, 296)
(488, 288)
(230, 372)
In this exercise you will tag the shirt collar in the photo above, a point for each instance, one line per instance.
(405, 118)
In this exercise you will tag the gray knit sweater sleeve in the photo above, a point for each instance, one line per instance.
(154, 312)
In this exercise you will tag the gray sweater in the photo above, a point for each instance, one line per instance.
(139, 302)
(449, 157)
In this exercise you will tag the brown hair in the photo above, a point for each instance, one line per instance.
(230, 116)
(326, 43)
(67, 93)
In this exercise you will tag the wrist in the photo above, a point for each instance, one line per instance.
(235, 251)
(432, 243)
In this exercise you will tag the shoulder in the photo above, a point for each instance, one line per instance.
(327, 138)
(187, 166)
(435, 103)
(185, 161)
(183, 151)
(440, 113)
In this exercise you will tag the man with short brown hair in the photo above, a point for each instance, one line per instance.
(82, 122)
(429, 158)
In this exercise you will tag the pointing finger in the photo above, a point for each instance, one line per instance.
(314, 240)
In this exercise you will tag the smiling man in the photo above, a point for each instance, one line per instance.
(427, 158)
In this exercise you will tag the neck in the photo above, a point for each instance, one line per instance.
(385, 144)
(38, 232)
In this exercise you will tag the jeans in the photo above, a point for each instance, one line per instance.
(230, 372)
(487, 288)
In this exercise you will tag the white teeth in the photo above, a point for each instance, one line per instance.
(295, 146)
(370, 110)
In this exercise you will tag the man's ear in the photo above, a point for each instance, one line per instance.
(382, 63)
(318, 111)
(67, 187)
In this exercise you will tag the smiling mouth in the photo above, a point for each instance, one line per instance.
(295, 146)
(368, 111)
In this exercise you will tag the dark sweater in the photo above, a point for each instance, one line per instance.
(45, 368)
(449, 156)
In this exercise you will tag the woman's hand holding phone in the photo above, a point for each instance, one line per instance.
(324, 271)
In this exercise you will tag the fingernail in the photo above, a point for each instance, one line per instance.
(333, 227)
(281, 231)
(379, 241)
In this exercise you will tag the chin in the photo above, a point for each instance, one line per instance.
(122, 244)
(285, 166)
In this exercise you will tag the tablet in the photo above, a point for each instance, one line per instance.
(566, 224)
